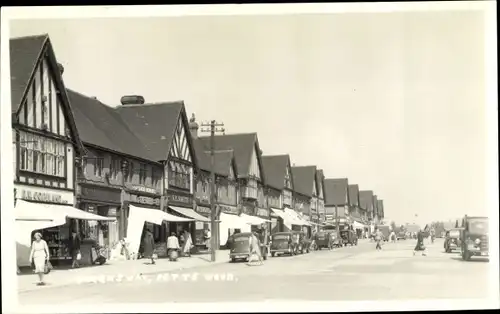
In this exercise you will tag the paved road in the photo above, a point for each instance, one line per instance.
(357, 273)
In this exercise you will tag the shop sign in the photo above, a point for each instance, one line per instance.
(112, 211)
(44, 195)
(262, 212)
(229, 209)
(146, 200)
(203, 210)
(176, 198)
(100, 194)
(248, 210)
(140, 188)
(306, 217)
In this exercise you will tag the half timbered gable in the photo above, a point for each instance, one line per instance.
(314, 189)
(288, 177)
(254, 171)
(180, 146)
(320, 190)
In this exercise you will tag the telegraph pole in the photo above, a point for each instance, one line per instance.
(337, 222)
(214, 127)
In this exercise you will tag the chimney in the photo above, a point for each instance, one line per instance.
(61, 68)
(193, 126)
(132, 100)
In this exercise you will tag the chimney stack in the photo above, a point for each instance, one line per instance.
(61, 68)
(193, 126)
(132, 100)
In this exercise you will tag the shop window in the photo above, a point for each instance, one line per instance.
(41, 155)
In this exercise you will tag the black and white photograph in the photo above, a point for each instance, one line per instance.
(249, 158)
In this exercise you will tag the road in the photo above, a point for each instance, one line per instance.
(351, 273)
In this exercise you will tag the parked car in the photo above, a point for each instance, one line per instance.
(452, 240)
(291, 242)
(401, 235)
(240, 246)
(474, 237)
(323, 240)
(349, 237)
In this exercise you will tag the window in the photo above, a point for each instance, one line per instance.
(179, 175)
(131, 171)
(98, 166)
(142, 173)
(41, 155)
(156, 177)
(114, 168)
(251, 189)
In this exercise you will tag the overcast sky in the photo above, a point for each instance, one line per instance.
(393, 101)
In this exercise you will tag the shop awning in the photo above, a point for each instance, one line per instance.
(358, 225)
(296, 217)
(25, 211)
(232, 221)
(189, 213)
(254, 220)
(156, 216)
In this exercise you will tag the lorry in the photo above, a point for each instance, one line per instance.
(474, 237)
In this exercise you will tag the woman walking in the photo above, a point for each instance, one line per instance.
(40, 256)
(188, 244)
(420, 244)
(149, 245)
(378, 239)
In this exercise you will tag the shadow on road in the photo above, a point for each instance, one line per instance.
(472, 260)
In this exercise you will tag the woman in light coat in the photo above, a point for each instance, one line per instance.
(188, 244)
(40, 256)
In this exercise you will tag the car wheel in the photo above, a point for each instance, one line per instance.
(265, 257)
(273, 254)
(232, 260)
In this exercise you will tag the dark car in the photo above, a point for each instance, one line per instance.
(452, 240)
(323, 240)
(292, 243)
(240, 246)
(349, 237)
(474, 237)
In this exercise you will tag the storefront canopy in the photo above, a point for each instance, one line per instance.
(287, 217)
(155, 216)
(253, 220)
(189, 213)
(25, 211)
(296, 217)
(357, 225)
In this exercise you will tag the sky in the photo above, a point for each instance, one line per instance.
(395, 102)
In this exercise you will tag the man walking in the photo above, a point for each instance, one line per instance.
(420, 244)
(149, 245)
(378, 239)
(74, 249)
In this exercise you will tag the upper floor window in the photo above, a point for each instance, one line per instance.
(142, 173)
(131, 171)
(179, 175)
(114, 168)
(156, 177)
(41, 155)
(98, 162)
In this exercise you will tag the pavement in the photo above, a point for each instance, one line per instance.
(114, 269)
(358, 273)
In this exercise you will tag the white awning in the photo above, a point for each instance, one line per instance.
(189, 213)
(46, 212)
(280, 213)
(232, 221)
(288, 218)
(156, 216)
(296, 217)
(254, 220)
(357, 225)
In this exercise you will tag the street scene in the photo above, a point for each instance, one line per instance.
(349, 273)
(242, 158)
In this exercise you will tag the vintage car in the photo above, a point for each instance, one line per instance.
(292, 243)
(349, 237)
(323, 239)
(474, 237)
(452, 240)
(336, 241)
(401, 235)
(240, 246)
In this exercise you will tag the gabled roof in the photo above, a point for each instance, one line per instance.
(336, 192)
(353, 194)
(275, 170)
(366, 200)
(242, 145)
(223, 159)
(155, 125)
(304, 179)
(25, 55)
(320, 177)
(375, 203)
(100, 125)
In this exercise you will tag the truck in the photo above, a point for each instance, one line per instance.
(474, 237)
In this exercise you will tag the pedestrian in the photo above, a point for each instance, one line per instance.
(254, 245)
(74, 249)
(393, 236)
(173, 247)
(420, 244)
(378, 239)
(207, 235)
(148, 244)
(39, 256)
(188, 243)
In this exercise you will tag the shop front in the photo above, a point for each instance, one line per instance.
(103, 201)
(143, 201)
(200, 226)
(180, 203)
(230, 222)
(54, 215)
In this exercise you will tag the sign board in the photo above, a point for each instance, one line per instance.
(180, 199)
(100, 194)
(140, 188)
(205, 211)
(229, 209)
(43, 195)
(146, 200)
(263, 212)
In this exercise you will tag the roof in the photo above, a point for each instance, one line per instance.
(100, 125)
(366, 200)
(336, 191)
(319, 179)
(304, 179)
(275, 169)
(24, 55)
(353, 194)
(375, 204)
(155, 126)
(242, 145)
(223, 159)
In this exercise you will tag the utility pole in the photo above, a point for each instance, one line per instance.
(337, 223)
(214, 127)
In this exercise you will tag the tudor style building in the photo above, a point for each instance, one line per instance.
(380, 208)
(337, 202)
(305, 191)
(366, 204)
(45, 138)
(375, 209)
(116, 172)
(320, 179)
